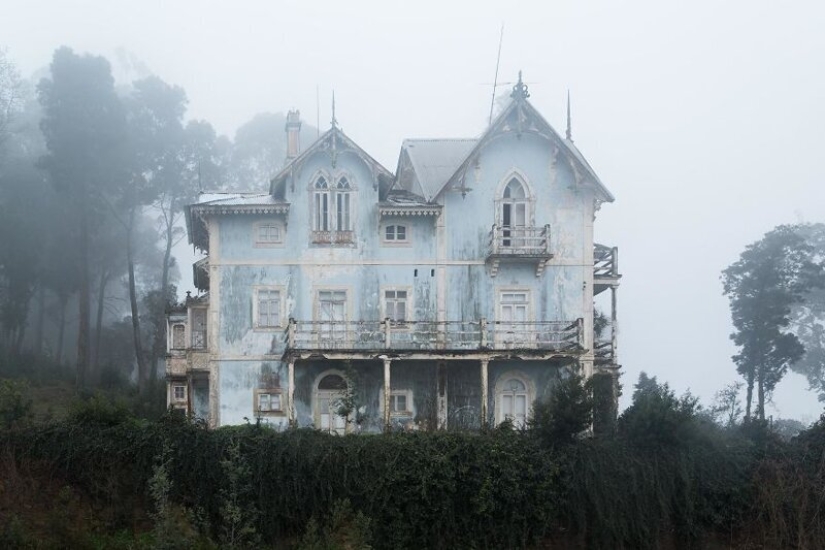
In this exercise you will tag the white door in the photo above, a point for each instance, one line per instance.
(513, 403)
(513, 316)
(329, 399)
(332, 329)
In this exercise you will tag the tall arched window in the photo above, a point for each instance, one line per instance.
(512, 400)
(343, 216)
(514, 213)
(321, 218)
(329, 394)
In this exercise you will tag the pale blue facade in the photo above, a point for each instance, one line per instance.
(457, 290)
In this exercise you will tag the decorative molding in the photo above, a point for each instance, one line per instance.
(419, 210)
(225, 209)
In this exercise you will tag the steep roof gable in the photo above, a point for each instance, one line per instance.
(427, 164)
(333, 142)
(521, 117)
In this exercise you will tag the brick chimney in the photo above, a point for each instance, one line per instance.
(293, 134)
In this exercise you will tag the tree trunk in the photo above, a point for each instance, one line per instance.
(141, 362)
(84, 305)
(41, 319)
(160, 331)
(749, 397)
(62, 330)
(101, 297)
(760, 411)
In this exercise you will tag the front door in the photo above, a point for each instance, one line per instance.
(513, 329)
(330, 400)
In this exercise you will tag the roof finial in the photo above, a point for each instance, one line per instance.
(520, 89)
(569, 134)
(334, 121)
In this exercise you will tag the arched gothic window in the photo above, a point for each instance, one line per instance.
(512, 401)
(514, 213)
(343, 215)
(321, 218)
(329, 394)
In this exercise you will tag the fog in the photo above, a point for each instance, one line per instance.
(703, 119)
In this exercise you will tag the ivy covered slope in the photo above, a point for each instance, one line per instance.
(666, 477)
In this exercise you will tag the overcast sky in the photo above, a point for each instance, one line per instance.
(705, 119)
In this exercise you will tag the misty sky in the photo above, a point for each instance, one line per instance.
(705, 119)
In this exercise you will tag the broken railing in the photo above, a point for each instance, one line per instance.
(604, 344)
(433, 335)
(517, 241)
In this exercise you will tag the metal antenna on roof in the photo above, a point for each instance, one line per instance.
(495, 79)
(569, 133)
(317, 112)
(334, 121)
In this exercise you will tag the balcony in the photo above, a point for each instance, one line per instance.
(429, 339)
(605, 267)
(519, 245)
(604, 345)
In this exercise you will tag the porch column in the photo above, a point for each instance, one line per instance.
(387, 394)
(484, 393)
(441, 399)
(291, 391)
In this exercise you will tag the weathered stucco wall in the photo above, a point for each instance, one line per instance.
(246, 357)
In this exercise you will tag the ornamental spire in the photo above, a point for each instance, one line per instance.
(520, 89)
(334, 121)
(569, 133)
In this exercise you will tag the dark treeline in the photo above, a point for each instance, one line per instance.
(663, 476)
(94, 176)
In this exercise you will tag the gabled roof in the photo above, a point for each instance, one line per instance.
(333, 142)
(521, 117)
(433, 162)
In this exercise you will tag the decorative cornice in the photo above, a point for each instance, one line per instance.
(418, 210)
(224, 209)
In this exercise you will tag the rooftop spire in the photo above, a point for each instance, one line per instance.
(334, 121)
(520, 89)
(569, 133)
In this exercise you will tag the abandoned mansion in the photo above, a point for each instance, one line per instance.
(453, 293)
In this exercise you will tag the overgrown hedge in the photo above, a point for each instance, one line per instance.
(502, 489)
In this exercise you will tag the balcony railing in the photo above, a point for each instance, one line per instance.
(605, 261)
(604, 345)
(562, 336)
(333, 237)
(520, 241)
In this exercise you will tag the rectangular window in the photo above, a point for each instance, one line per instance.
(178, 337)
(269, 308)
(179, 392)
(395, 306)
(395, 233)
(514, 312)
(398, 402)
(269, 401)
(198, 328)
(268, 233)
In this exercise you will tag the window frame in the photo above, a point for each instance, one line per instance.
(173, 387)
(408, 412)
(256, 305)
(175, 343)
(409, 319)
(256, 228)
(336, 225)
(529, 200)
(406, 241)
(502, 391)
(258, 392)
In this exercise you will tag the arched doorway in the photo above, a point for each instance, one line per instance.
(330, 391)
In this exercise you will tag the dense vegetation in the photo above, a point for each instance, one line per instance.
(667, 478)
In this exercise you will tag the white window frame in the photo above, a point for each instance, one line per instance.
(173, 387)
(408, 309)
(406, 241)
(320, 197)
(318, 394)
(269, 393)
(502, 390)
(259, 243)
(408, 412)
(256, 304)
(344, 204)
(333, 212)
(515, 336)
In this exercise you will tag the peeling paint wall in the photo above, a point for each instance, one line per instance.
(246, 358)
